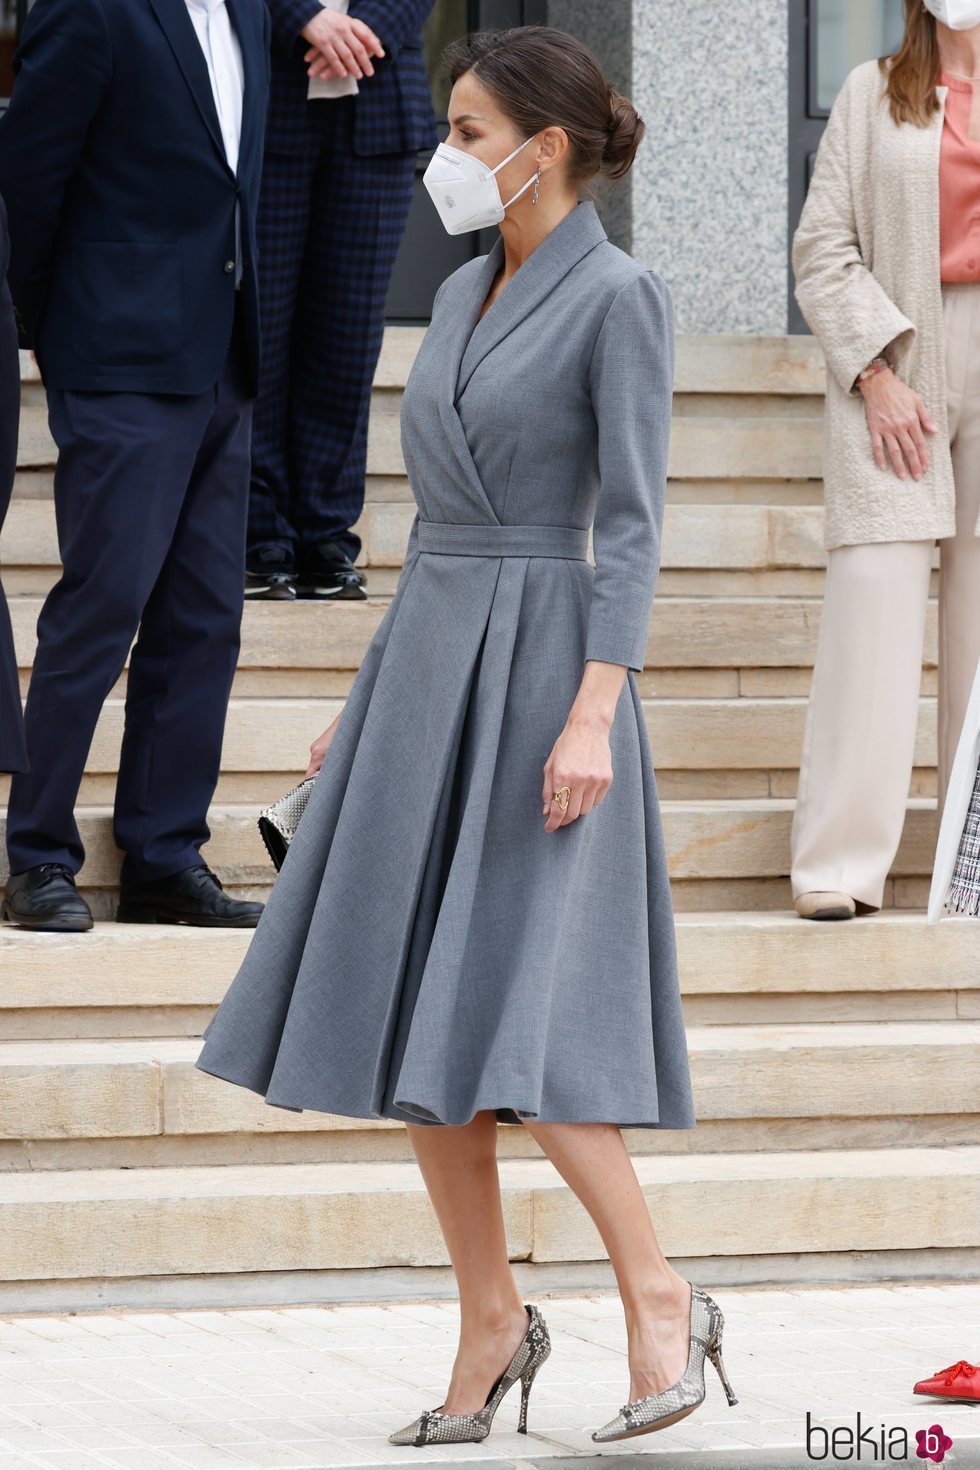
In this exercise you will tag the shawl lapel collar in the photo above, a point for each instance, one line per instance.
(461, 314)
(572, 238)
(470, 337)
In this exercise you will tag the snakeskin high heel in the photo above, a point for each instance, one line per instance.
(657, 1410)
(434, 1427)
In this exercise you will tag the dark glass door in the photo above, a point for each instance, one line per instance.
(827, 38)
(428, 254)
(13, 13)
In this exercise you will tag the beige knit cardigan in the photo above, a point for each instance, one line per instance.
(866, 259)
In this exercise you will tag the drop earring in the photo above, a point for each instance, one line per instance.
(534, 196)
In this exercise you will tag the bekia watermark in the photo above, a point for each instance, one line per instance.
(875, 1443)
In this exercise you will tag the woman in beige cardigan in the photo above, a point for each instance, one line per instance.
(887, 263)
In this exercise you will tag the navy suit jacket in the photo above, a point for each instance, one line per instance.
(393, 110)
(120, 200)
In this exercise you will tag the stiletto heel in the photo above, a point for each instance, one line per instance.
(657, 1410)
(526, 1380)
(433, 1426)
(714, 1353)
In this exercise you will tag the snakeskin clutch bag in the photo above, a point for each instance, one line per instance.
(278, 822)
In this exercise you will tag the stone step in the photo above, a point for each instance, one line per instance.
(119, 980)
(139, 1088)
(258, 789)
(696, 537)
(732, 363)
(705, 363)
(35, 447)
(722, 953)
(75, 1225)
(763, 894)
(274, 735)
(785, 682)
(704, 839)
(710, 549)
(702, 446)
(685, 633)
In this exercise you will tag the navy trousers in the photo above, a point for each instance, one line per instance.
(329, 228)
(13, 756)
(151, 498)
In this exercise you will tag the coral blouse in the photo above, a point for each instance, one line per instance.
(959, 186)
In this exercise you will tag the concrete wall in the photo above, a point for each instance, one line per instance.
(607, 28)
(709, 187)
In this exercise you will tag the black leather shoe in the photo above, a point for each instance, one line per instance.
(45, 897)
(194, 896)
(270, 575)
(327, 572)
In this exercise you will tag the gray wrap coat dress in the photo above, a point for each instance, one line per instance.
(428, 950)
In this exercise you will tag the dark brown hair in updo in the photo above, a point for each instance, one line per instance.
(542, 77)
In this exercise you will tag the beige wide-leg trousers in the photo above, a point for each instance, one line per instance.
(859, 740)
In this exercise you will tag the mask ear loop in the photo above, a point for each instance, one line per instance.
(512, 155)
(534, 179)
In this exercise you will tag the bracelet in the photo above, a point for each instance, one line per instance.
(876, 365)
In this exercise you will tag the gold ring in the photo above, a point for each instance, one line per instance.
(563, 791)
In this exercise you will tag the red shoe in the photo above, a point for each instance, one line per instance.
(960, 1381)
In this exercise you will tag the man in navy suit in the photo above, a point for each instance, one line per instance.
(130, 159)
(336, 189)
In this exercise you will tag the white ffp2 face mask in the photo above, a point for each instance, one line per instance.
(959, 15)
(464, 189)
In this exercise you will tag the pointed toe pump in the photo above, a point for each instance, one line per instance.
(657, 1410)
(434, 1427)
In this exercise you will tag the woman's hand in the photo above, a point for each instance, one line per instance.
(896, 419)
(580, 758)
(320, 747)
(340, 46)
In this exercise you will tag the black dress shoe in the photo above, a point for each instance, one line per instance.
(194, 896)
(270, 575)
(327, 572)
(45, 897)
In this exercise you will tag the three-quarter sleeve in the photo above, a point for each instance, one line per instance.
(631, 379)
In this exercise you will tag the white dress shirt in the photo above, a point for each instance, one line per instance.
(223, 54)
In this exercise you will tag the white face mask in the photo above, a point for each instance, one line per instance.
(959, 15)
(464, 190)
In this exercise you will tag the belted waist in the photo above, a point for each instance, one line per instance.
(453, 538)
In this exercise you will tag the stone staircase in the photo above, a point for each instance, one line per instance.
(835, 1066)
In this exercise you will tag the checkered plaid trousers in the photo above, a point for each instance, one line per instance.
(329, 226)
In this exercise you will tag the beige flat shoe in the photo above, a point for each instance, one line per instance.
(820, 905)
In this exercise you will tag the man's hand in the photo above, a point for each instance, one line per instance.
(896, 418)
(340, 46)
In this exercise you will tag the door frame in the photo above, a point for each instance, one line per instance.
(806, 125)
(413, 285)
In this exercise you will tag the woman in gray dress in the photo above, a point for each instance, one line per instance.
(473, 923)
